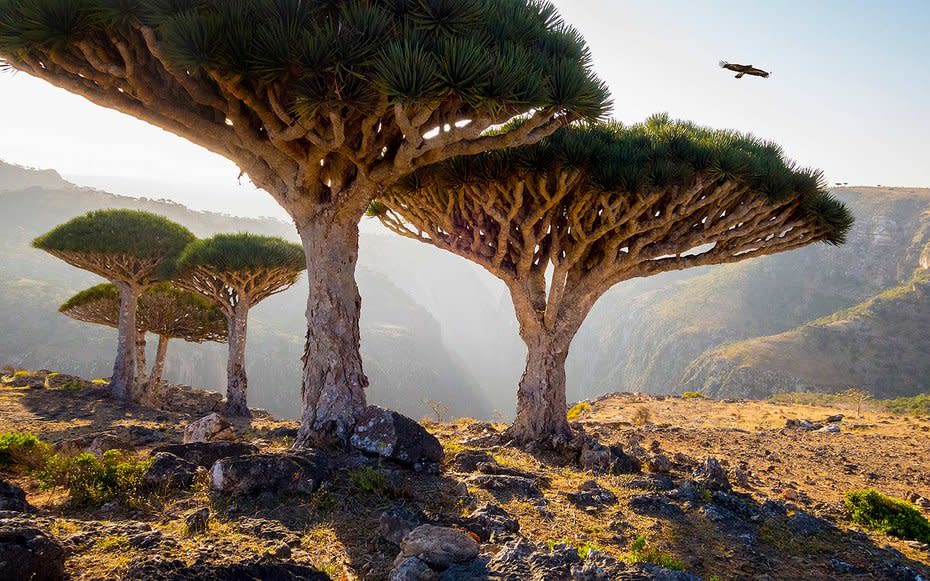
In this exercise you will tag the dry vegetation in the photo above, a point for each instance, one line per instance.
(336, 530)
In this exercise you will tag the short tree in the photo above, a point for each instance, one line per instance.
(130, 249)
(323, 104)
(236, 272)
(165, 310)
(562, 221)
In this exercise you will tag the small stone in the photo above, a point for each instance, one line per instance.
(12, 497)
(198, 521)
(209, 429)
(711, 474)
(660, 464)
(412, 569)
(592, 494)
(439, 547)
(790, 494)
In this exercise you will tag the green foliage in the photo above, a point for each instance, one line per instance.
(491, 55)
(163, 309)
(22, 452)
(627, 160)
(918, 405)
(242, 252)
(132, 232)
(91, 481)
(369, 480)
(692, 395)
(889, 515)
(640, 552)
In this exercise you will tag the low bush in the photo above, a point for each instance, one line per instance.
(22, 452)
(92, 481)
(640, 552)
(918, 405)
(692, 395)
(369, 480)
(889, 515)
(576, 411)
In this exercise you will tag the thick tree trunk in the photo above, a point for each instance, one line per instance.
(154, 395)
(541, 404)
(334, 382)
(122, 382)
(141, 368)
(237, 384)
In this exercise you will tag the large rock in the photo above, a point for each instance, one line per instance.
(292, 472)
(412, 569)
(207, 453)
(156, 568)
(28, 553)
(490, 519)
(397, 522)
(209, 429)
(438, 547)
(391, 435)
(12, 497)
(169, 472)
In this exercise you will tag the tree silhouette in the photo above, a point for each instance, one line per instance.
(324, 105)
(562, 221)
(236, 272)
(130, 249)
(165, 310)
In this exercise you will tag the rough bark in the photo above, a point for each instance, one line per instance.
(154, 395)
(123, 381)
(141, 367)
(334, 382)
(236, 381)
(541, 405)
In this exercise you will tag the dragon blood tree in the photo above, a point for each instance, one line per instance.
(236, 272)
(324, 105)
(131, 249)
(562, 221)
(165, 310)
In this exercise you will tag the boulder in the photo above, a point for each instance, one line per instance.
(412, 569)
(12, 497)
(712, 475)
(391, 435)
(660, 464)
(506, 484)
(156, 568)
(291, 472)
(396, 523)
(592, 494)
(96, 443)
(27, 552)
(468, 460)
(207, 453)
(209, 429)
(169, 472)
(438, 547)
(490, 519)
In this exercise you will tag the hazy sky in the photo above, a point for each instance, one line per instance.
(850, 93)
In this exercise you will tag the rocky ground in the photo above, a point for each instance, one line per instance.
(679, 490)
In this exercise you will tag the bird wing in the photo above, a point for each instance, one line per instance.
(757, 72)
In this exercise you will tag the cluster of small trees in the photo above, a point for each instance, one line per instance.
(165, 281)
(456, 121)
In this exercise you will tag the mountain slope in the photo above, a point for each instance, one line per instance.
(644, 334)
(406, 366)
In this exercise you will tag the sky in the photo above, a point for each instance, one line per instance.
(850, 94)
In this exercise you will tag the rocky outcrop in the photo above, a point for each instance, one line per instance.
(394, 436)
(299, 472)
(12, 497)
(156, 568)
(210, 428)
(207, 453)
(27, 552)
(167, 471)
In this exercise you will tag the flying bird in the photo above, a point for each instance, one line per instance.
(741, 70)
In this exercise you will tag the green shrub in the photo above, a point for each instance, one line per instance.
(91, 481)
(918, 405)
(889, 515)
(21, 451)
(641, 553)
(369, 480)
(692, 395)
